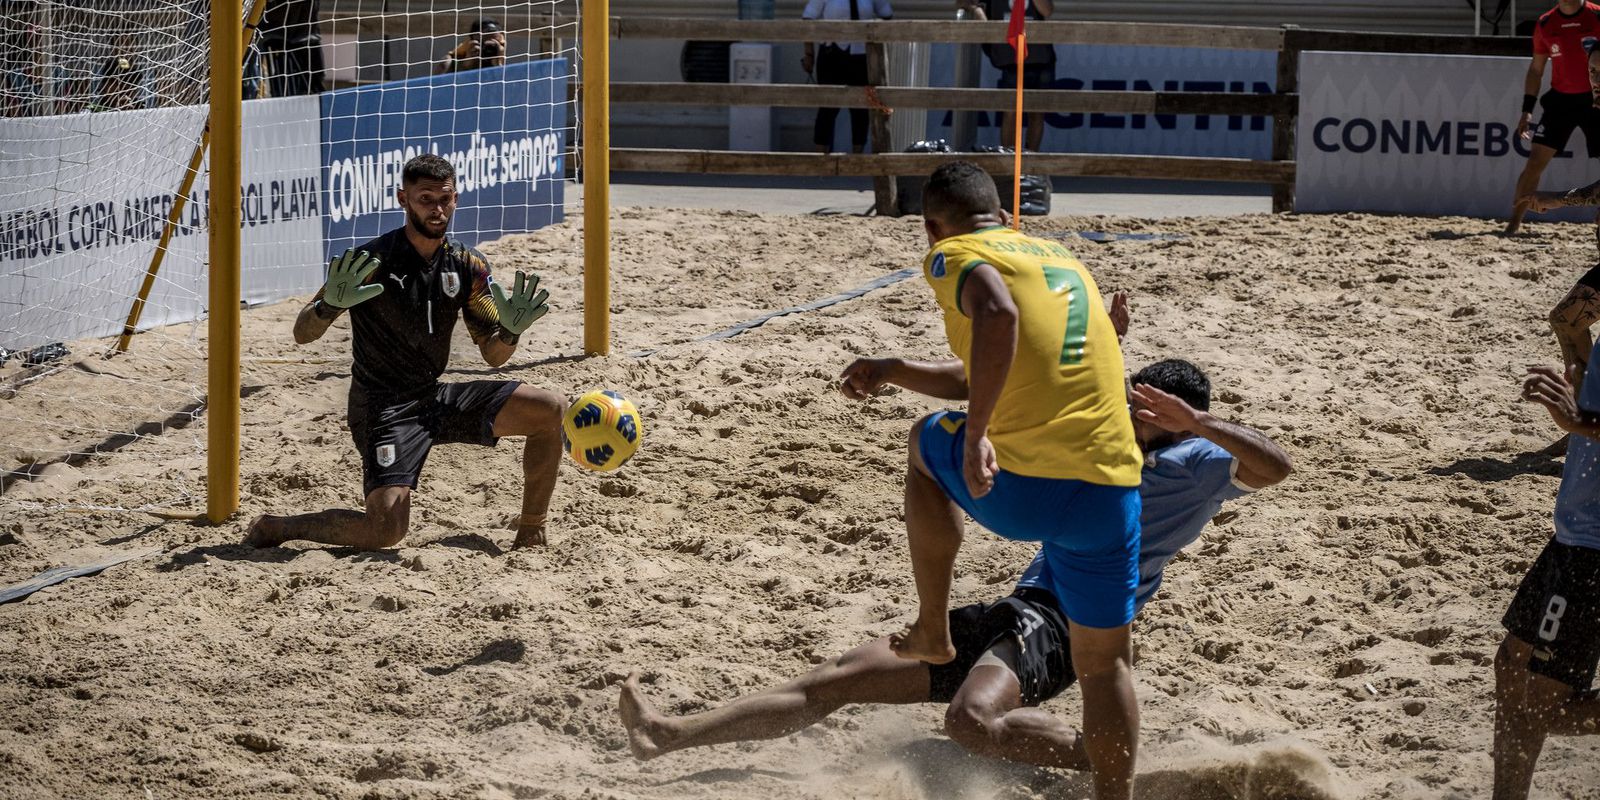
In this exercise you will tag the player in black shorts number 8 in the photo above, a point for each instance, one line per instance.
(404, 291)
(1545, 668)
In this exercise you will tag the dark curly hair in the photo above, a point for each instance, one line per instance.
(1179, 378)
(427, 167)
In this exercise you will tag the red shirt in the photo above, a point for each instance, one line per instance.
(1561, 38)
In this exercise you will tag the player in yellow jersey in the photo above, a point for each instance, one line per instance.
(1046, 451)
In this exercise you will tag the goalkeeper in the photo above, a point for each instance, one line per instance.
(403, 291)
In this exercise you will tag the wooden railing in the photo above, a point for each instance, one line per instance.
(1282, 106)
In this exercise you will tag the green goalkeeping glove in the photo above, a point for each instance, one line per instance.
(523, 307)
(345, 275)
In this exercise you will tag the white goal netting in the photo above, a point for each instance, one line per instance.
(102, 108)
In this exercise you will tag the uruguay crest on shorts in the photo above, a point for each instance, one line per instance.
(452, 284)
(385, 455)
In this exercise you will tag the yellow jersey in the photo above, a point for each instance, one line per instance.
(1063, 412)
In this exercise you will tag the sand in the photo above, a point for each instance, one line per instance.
(1329, 637)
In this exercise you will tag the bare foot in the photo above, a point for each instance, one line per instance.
(920, 644)
(529, 536)
(266, 531)
(1515, 223)
(649, 734)
(530, 532)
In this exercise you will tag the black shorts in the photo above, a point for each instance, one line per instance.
(1034, 76)
(1564, 113)
(1044, 663)
(394, 435)
(1557, 610)
(1591, 278)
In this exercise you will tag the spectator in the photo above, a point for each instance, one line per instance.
(291, 48)
(120, 86)
(1038, 72)
(485, 46)
(20, 94)
(841, 64)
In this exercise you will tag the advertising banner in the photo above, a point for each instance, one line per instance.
(1419, 134)
(89, 195)
(503, 128)
(1121, 68)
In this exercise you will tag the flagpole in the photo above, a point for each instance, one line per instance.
(1016, 171)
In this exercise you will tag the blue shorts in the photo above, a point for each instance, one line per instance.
(1090, 532)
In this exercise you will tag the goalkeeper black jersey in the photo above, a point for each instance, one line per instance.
(402, 337)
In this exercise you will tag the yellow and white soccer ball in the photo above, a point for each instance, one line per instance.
(601, 430)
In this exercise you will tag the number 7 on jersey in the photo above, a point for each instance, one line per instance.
(1069, 281)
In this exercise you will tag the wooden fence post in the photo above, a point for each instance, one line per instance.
(1283, 124)
(883, 186)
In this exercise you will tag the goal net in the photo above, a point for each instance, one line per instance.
(103, 220)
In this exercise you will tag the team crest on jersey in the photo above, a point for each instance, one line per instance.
(1555, 49)
(452, 284)
(385, 455)
(937, 268)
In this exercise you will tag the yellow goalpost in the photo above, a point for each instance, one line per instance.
(596, 177)
(222, 336)
(223, 134)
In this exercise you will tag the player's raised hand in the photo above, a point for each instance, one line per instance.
(1119, 314)
(523, 307)
(346, 273)
(1165, 411)
(979, 465)
(863, 378)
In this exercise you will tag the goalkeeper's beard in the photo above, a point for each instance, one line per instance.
(425, 229)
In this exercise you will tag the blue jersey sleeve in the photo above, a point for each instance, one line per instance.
(1215, 472)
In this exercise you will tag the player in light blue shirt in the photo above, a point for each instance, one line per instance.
(1012, 654)
(1194, 463)
(1545, 668)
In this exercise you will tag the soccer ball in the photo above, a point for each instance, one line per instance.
(601, 430)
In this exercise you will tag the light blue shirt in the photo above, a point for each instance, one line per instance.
(1578, 502)
(840, 10)
(1182, 487)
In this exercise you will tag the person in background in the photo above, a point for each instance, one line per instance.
(1038, 72)
(1561, 37)
(120, 87)
(485, 46)
(840, 64)
(291, 48)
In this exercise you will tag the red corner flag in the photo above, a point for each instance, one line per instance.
(1014, 32)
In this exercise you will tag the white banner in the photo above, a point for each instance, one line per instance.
(1417, 134)
(84, 199)
(282, 210)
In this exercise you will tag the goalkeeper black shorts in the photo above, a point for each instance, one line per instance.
(394, 434)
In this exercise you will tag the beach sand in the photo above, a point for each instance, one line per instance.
(1328, 637)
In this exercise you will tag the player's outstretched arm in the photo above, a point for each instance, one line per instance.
(511, 313)
(1262, 462)
(345, 287)
(946, 380)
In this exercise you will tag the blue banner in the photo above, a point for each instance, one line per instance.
(504, 129)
